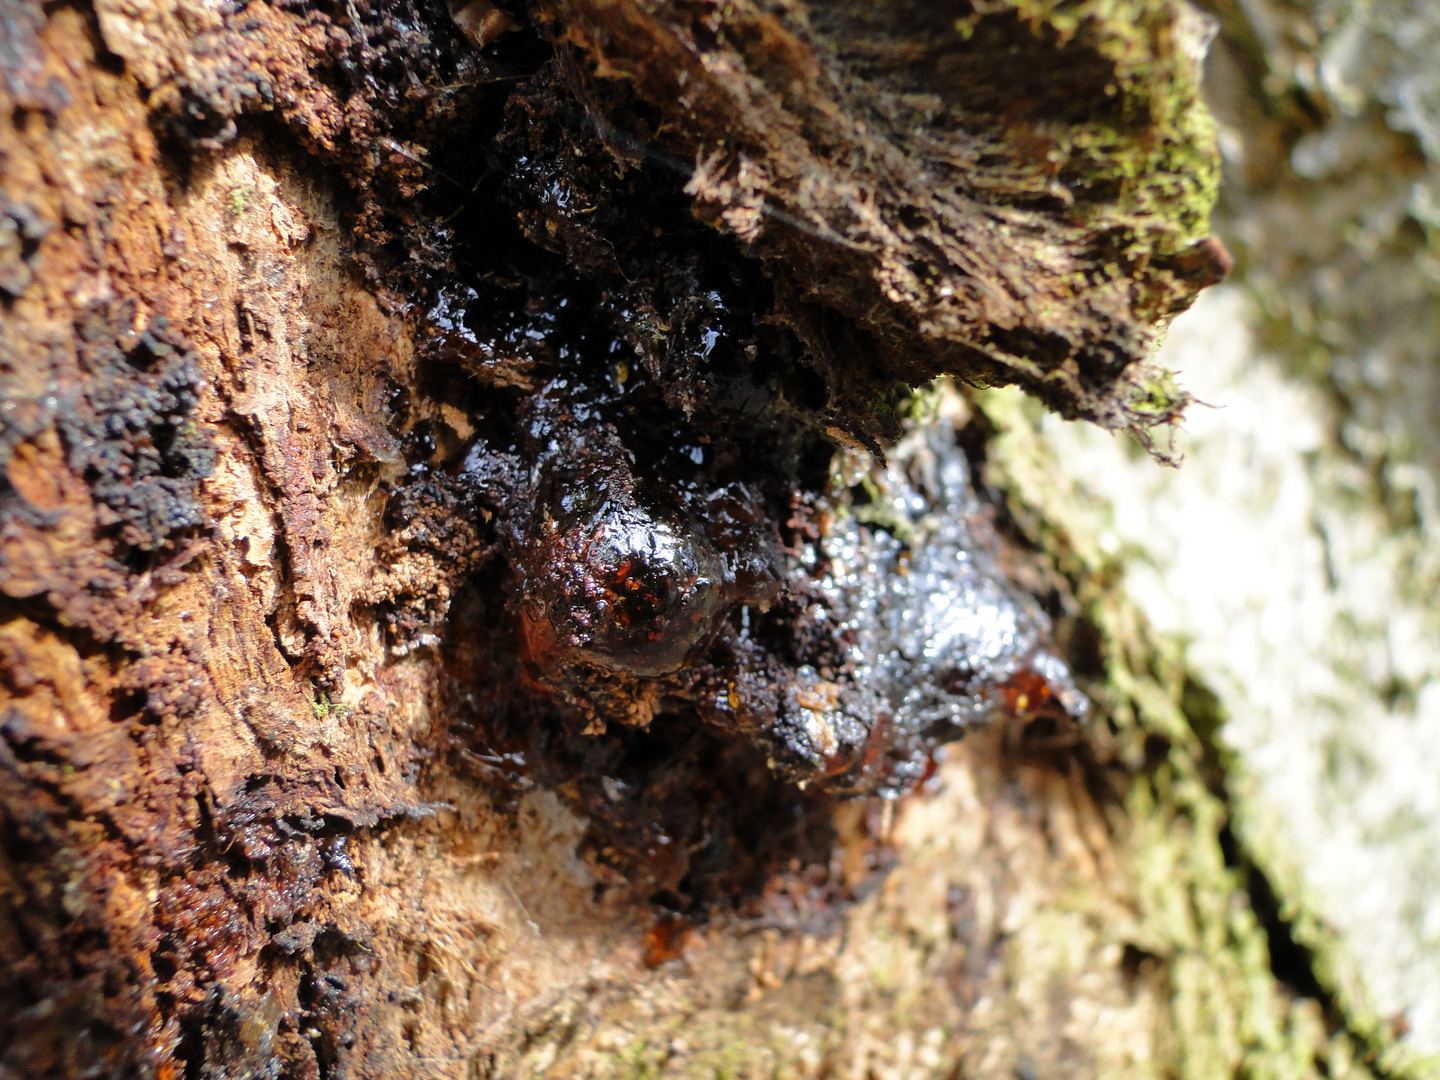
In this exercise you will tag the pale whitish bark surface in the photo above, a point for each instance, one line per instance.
(1295, 610)
(1298, 550)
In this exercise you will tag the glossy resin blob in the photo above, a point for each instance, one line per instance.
(937, 640)
(846, 619)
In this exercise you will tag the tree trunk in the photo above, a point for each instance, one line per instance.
(314, 318)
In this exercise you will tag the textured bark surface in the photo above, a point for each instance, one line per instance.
(278, 799)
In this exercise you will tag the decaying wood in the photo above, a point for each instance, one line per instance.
(246, 830)
(1003, 192)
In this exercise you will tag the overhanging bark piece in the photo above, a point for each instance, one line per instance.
(1010, 191)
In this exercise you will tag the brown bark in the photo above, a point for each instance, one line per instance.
(168, 617)
(254, 823)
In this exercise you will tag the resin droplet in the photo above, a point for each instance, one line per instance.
(610, 585)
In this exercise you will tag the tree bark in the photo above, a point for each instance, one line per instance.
(283, 796)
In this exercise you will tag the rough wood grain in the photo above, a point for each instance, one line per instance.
(245, 830)
(1003, 192)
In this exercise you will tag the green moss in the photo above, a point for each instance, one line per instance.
(1159, 399)
(241, 195)
(1157, 161)
(322, 706)
(1143, 170)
